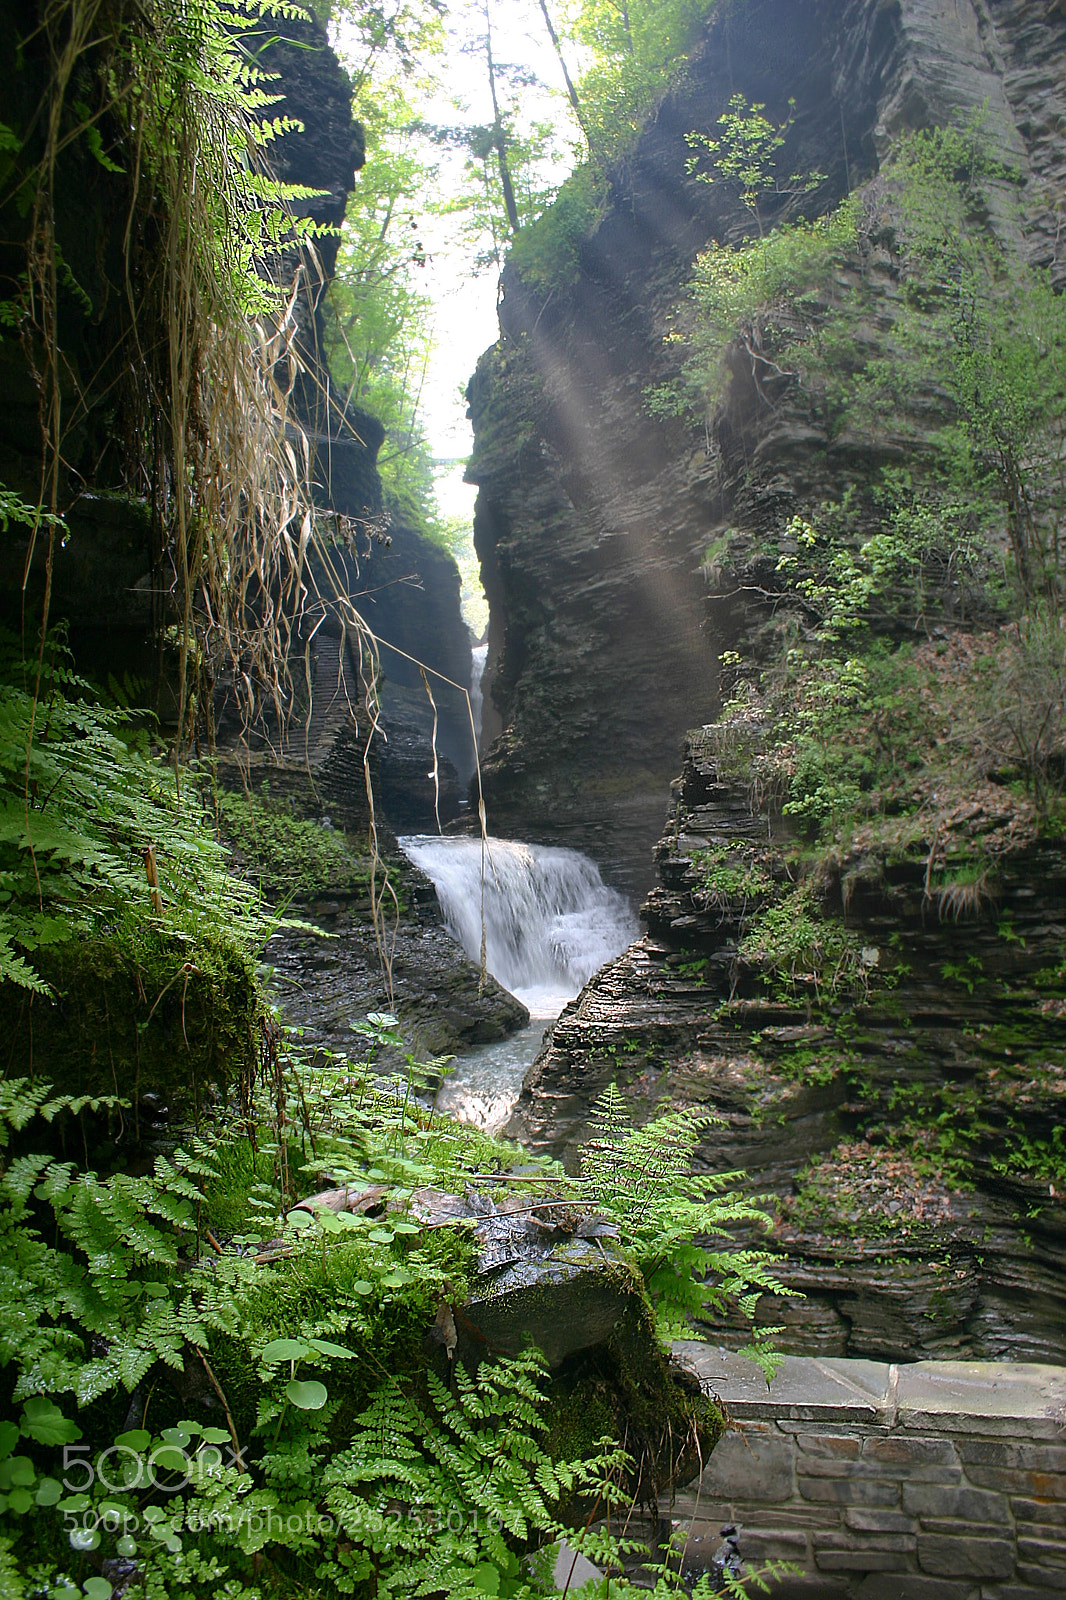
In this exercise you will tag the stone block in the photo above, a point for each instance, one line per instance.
(828, 1467)
(964, 1557)
(1050, 1513)
(1050, 1580)
(952, 1527)
(830, 1446)
(849, 1539)
(906, 1450)
(1037, 1485)
(792, 1515)
(750, 1466)
(864, 1520)
(773, 1544)
(1015, 1453)
(1021, 1591)
(831, 1390)
(982, 1397)
(861, 1561)
(960, 1503)
(850, 1491)
(1045, 1552)
(909, 1587)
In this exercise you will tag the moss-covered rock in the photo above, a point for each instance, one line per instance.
(137, 1012)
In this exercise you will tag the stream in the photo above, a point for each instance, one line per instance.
(550, 922)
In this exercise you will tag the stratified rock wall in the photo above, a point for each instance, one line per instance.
(906, 1129)
(593, 517)
(899, 1126)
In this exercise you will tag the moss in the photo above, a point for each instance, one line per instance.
(137, 1011)
(287, 855)
(240, 1168)
(628, 1391)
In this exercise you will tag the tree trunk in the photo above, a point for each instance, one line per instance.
(499, 132)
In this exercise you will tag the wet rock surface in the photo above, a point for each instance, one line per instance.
(548, 1273)
(444, 1005)
(906, 1135)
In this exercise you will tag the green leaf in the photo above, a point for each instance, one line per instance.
(97, 1589)
(19, 1501)
(486, 1578)
(306, 1396)
(381, 1235)
(135, 1439)
(360, 1286)
(16, 1473)
(43, 1421)
(9, 1438)
(326, 1348)
(285, 1350)
(49, 1492)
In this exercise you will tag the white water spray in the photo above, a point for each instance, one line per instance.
(550, 921)
(479, 655)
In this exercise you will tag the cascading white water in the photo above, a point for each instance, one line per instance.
(479, 655)
(550, 921)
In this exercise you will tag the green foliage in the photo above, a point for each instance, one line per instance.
(741, 293)
(14, 509)
(745, 155)
(320, 1441)
(1038, 1160)
(642, 1179)
(548, 251)
(378, 313)
(727, 874)
(177, 367)
(977, 324)
(286, 855)
(93, 830)
(634, 54)
(797, 949)
(637, 53)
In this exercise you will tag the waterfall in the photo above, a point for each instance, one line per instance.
(479, 655)
(550, 921)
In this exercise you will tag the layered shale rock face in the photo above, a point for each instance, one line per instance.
(893, 1077)
(904, 1122)
(593, 518)
(404, 586)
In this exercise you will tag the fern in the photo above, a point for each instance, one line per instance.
(81, 811)
(642, 1179)
(475, 1456)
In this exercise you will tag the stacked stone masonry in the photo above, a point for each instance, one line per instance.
(938, 1480)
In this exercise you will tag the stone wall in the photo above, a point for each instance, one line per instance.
(940, 1480)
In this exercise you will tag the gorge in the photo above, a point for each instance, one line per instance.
(770, 469)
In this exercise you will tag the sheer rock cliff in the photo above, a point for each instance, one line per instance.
(896, 1130)
(593, 517)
